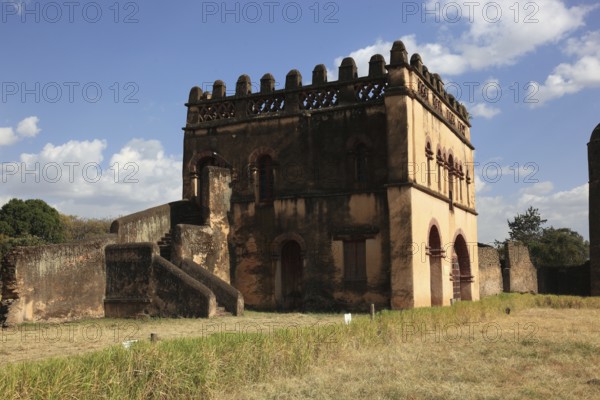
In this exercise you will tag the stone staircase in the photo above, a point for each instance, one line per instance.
(164, 244)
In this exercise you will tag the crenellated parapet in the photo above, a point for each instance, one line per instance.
(399, 76)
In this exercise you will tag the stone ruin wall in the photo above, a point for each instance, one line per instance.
(490, 273)
(54, 282)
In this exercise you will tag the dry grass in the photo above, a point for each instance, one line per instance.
(29, 342)
(554, 354)
(548, 347)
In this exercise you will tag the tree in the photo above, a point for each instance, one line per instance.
(77, 228)
(548, 247)
(560, 247)
(526, 228)
(20, 218)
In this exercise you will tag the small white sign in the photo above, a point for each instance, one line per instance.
(347, 318)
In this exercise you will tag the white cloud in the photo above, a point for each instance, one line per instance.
(484, 111)
(569, 78)
(487, 39)
(362, 57)
(8, 137)
(29, 127)
(73, 178)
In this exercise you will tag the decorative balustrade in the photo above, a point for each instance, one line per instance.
(320, 94)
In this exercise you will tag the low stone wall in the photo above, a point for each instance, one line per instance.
(55, 282)
(177, 294)
(565, 280)
(522, 274)
(200, 244)
(227, 296)
(152, 224)
(140, 282)
(490, 272)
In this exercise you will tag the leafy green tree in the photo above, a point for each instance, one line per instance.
(20, 218)
(560, 247)
(527, 228)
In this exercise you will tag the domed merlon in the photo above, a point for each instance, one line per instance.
(319, 75)
(595, 134)
(439, 84)
(293, 79)
(347, 70)
(398, 54)
(267, 83)
(416, 62)
(243, 86)
(377, 66)
(218, 89)
(195, 95)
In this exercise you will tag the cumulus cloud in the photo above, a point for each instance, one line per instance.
(569, 78)
(75, 178)
(26, 128)
(483, 110)
(494, 33)
(8, 137)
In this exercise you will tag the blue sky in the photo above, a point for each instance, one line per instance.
(92, 93)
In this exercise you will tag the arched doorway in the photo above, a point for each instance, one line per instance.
(435, 267)
(291, 275)
(462, 269)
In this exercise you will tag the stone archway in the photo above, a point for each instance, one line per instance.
(461, 269)
(435, 267)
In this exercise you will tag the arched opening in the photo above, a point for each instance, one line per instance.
(265, 179)
(451, 178)
(429, 156)
(461, 262)
(435, 267)
(291, 275)
(440, 164)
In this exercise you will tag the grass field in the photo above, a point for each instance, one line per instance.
(547, 347)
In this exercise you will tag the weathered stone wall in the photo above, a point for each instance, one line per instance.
(490, 271)
(226, 295)
(152, 224)
(141, 282)
(565, 280)
(522, 272)
(55, 282)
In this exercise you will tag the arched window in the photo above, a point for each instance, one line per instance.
(440, 164)
(468, 180)
(265, 179)
(451, 179)
(461, 176)
(429, 155)
(360, 163)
